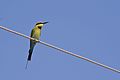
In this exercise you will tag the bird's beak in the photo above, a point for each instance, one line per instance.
(45, 22)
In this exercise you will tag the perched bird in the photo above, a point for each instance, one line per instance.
(35, 33)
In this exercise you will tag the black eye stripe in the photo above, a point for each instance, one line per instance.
(39, 27)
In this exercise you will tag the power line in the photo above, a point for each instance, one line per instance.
(62, 50)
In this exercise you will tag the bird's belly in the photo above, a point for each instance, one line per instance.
(37, 34)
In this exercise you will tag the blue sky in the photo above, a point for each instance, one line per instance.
(90, 28)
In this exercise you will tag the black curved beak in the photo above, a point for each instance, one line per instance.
(45, 22)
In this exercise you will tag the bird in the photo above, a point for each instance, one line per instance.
(35, 33)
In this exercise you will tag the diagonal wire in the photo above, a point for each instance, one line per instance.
(62, 50)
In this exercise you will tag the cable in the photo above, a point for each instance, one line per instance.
(62, 50)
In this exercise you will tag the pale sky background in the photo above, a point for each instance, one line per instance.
(90, 28)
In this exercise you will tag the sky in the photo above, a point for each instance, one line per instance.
(89, 28)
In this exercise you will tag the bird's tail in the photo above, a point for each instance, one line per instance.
(30, 54)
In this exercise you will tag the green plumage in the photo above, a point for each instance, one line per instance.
(35, 33)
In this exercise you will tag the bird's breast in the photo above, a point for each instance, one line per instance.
(36, 34)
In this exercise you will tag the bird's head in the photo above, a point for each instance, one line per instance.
(40, 24)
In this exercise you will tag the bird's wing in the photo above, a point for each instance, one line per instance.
(32, 32)
(32, 43)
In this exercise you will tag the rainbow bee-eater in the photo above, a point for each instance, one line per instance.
(35, 33)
